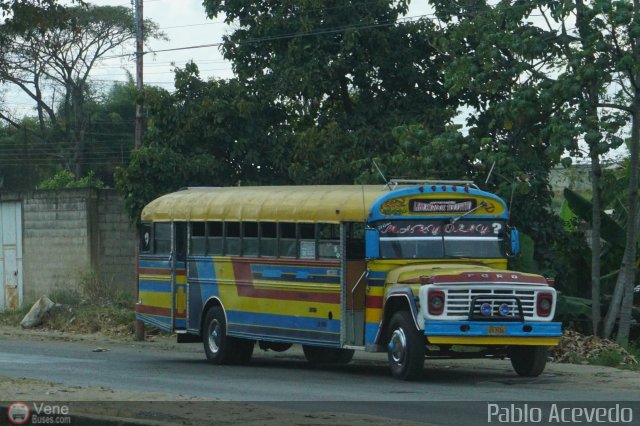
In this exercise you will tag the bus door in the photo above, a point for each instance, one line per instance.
(178, 264)
(354, 283)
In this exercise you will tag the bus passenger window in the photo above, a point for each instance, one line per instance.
(307, 233)
(268, 238)
(162, 238)
(214, 238)
(145, 238)
(250, 239)
(328, 241)
(287, 244)
(232, 238)
(197, 244)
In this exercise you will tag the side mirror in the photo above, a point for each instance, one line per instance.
(515, 242)
(372, 242)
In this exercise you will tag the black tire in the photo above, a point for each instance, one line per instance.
(406, 347)
(218, 347)
(320, 355)
(528, 361)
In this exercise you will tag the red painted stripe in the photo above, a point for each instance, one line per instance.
(154, 310)
(374, 302)
(244, 284)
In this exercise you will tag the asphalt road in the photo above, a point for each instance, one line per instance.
(286, 380)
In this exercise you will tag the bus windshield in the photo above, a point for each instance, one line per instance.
(441, 239)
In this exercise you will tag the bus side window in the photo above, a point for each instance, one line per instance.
(145, 238)
(232, 238)
(162, 238)
(307, 236)
(328, 241)
(214, 238)
(250, 238)
(287, 246)
(268, 239)
(197, 244)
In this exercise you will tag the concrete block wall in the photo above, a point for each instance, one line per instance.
(70, 233)
(116, 245)
(56, 240)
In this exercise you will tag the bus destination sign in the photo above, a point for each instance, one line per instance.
(441, 206)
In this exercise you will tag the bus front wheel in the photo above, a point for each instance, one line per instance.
(406, 347)
(528, 361)
(218, 346)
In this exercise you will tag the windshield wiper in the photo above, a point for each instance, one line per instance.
(465, 214)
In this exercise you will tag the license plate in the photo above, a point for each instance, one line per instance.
(497, 330)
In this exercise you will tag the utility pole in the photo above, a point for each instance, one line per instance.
(139, 64)
(139, 326)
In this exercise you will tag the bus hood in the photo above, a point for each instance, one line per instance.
(458, 272)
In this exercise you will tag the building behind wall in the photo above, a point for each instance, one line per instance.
(61, 237)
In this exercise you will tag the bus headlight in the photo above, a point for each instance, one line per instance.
(436, 302)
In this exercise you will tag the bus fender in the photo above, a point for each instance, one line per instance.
(398, 299)
(212, 301)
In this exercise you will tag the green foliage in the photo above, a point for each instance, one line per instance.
(65, 179)
(608, 358)
(611, 231)
(574, 312)
(211, 133)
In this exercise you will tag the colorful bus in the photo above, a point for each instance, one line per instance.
(416, 269)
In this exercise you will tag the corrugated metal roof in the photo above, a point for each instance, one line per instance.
(327, 203)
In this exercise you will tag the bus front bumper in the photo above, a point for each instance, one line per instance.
(493, 333)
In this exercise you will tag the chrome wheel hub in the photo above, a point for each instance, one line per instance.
(214, 336)
(398, 346)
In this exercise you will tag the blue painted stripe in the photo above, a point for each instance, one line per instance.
(370, 332)
(160, 286)
(303, 278)
(294, 269)
(157, 263)
(161, 322)
(284, 321)
(284, 335)
(481, 328)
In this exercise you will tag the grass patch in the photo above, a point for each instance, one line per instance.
(13, 317)
(95, 307)
(607, 358)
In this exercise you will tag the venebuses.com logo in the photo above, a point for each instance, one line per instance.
(18, 413)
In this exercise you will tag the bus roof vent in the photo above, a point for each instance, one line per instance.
(394, 183)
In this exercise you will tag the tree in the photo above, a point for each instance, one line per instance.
(574, 71)
(206, 133)
(61, 52)
(347, 73)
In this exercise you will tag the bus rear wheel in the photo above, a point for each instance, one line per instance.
(320, 355)
(406, 347)
(218, 346)
(528, 361)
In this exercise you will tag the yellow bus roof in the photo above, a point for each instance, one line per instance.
(318, 203)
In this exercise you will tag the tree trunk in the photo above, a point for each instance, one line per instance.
(626, 277)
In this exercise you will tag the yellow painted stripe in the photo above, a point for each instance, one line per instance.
(373, 315)
(491, 340)
(180, 279)
(155, 298)
(162, 300)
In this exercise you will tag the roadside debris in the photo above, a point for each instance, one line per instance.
(575, 346)
(37, 312)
